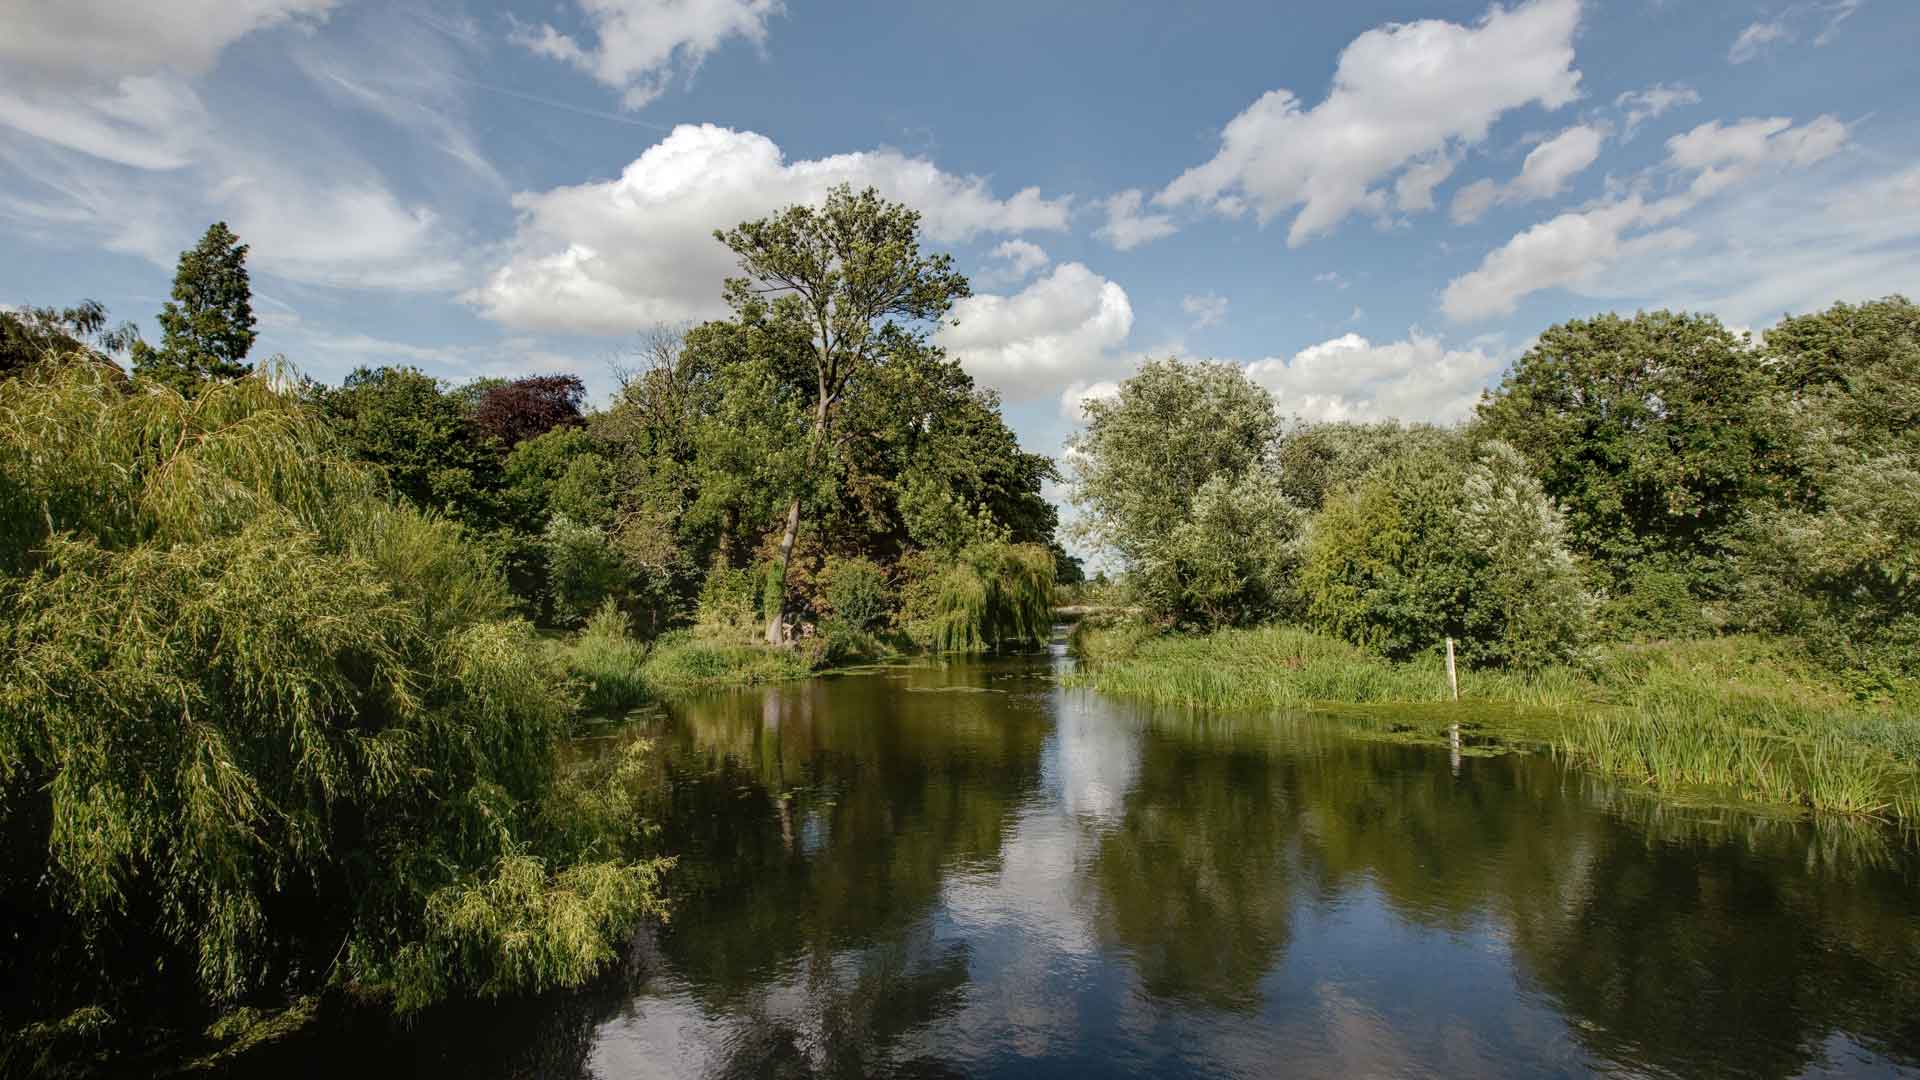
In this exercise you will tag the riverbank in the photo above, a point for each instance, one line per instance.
(1737, 716)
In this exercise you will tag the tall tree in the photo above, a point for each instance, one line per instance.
(207, 328)
(1658, 434)
(852, 273)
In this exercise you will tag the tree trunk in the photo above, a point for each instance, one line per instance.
(777, 618)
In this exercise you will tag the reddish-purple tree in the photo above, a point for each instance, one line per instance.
(516, 411)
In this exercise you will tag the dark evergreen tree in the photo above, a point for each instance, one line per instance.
(207, 328)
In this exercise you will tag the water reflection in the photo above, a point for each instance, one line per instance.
(969, 871)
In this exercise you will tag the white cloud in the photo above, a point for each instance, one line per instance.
(1351, 378)
(613, 256)
(1013, 261)
(1577, 248)
(1414, 189)
(1333, 278)
(1205, 308)
(1403, 93)
(1757, 39)
(1543, 174)
(1062, 328)
(89, 42)
(1644, 105)
(1127, 228)
(1073, 400)
(639, 46)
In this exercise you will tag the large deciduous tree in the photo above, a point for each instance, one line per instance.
(1657, 434)
(207, 328)
(34, 334)
(851, 273)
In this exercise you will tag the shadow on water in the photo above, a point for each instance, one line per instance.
(966, 870)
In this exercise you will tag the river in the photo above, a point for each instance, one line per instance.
(968, 870)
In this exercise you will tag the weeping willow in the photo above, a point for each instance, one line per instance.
(262, 731)
(993, 596)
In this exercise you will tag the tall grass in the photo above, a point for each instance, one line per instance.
(608, 663)
(681, 662)
(1742, 717)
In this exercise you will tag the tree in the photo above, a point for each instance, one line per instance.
(521, 409)
(1657, 434)
(207, 328)
(263, 731)
(1442, 542)
(1143, 460)
(852, 274)
(34, 334)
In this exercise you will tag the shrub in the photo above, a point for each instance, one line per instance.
(727, 604)
(608, 662)
(1233, 561)
(854, 593)
(1429, 547)
(583, 570)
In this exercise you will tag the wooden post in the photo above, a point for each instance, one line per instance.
(1453, 681)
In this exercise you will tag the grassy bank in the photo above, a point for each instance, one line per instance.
(615, 671)
(1739, 716)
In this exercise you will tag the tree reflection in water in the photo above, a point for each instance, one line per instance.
(969, 871)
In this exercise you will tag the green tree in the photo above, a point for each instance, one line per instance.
(263, 731)
(1841, 565)
(207, 328)
(852, 274)
(1144, 458)
(1657, 434)
(33, 334)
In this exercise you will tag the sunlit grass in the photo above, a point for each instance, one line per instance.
(1739, 716)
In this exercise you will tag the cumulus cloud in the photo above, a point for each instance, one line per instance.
(1205, 308)
(1127, 227)
(1351, 378)
(1403, 94)
(1577, 247)
(1543, 174)
(610, 257)
(1064, 327)
(1073, 400)
(1641, 106)
(637, 47)
(1022, 257)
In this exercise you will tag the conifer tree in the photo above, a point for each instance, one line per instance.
(207, 328)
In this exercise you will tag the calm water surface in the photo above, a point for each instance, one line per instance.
(970, 871)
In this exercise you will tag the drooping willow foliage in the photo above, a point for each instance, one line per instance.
(992, 596)
(262, 731)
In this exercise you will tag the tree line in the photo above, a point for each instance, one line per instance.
(1653, 476)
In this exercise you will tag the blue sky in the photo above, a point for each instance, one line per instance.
(1373, 206)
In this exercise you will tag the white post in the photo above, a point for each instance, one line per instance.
(1453, 730)
(1453, 681)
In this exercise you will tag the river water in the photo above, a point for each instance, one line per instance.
(971, 871)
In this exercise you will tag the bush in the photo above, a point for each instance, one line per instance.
(260, 731)
(680, 661)
(583, 570)
(1429, 547)
(727, 604)
(854, 593)
(608, 661)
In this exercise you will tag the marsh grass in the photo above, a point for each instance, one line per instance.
(608, 663)
(680, 662)
(1738, 717)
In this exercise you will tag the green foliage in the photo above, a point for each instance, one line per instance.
(729, 604)
(30, 335)
(404, 423)
(1429, 547)
(608, 662)
(583, 571)
(260, 730)
(855, 592)
(1656, 434)
(681, 662)
(1233, 561)
(207, 328)
(1146, 452)
(989, 597)
(1315, 461)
